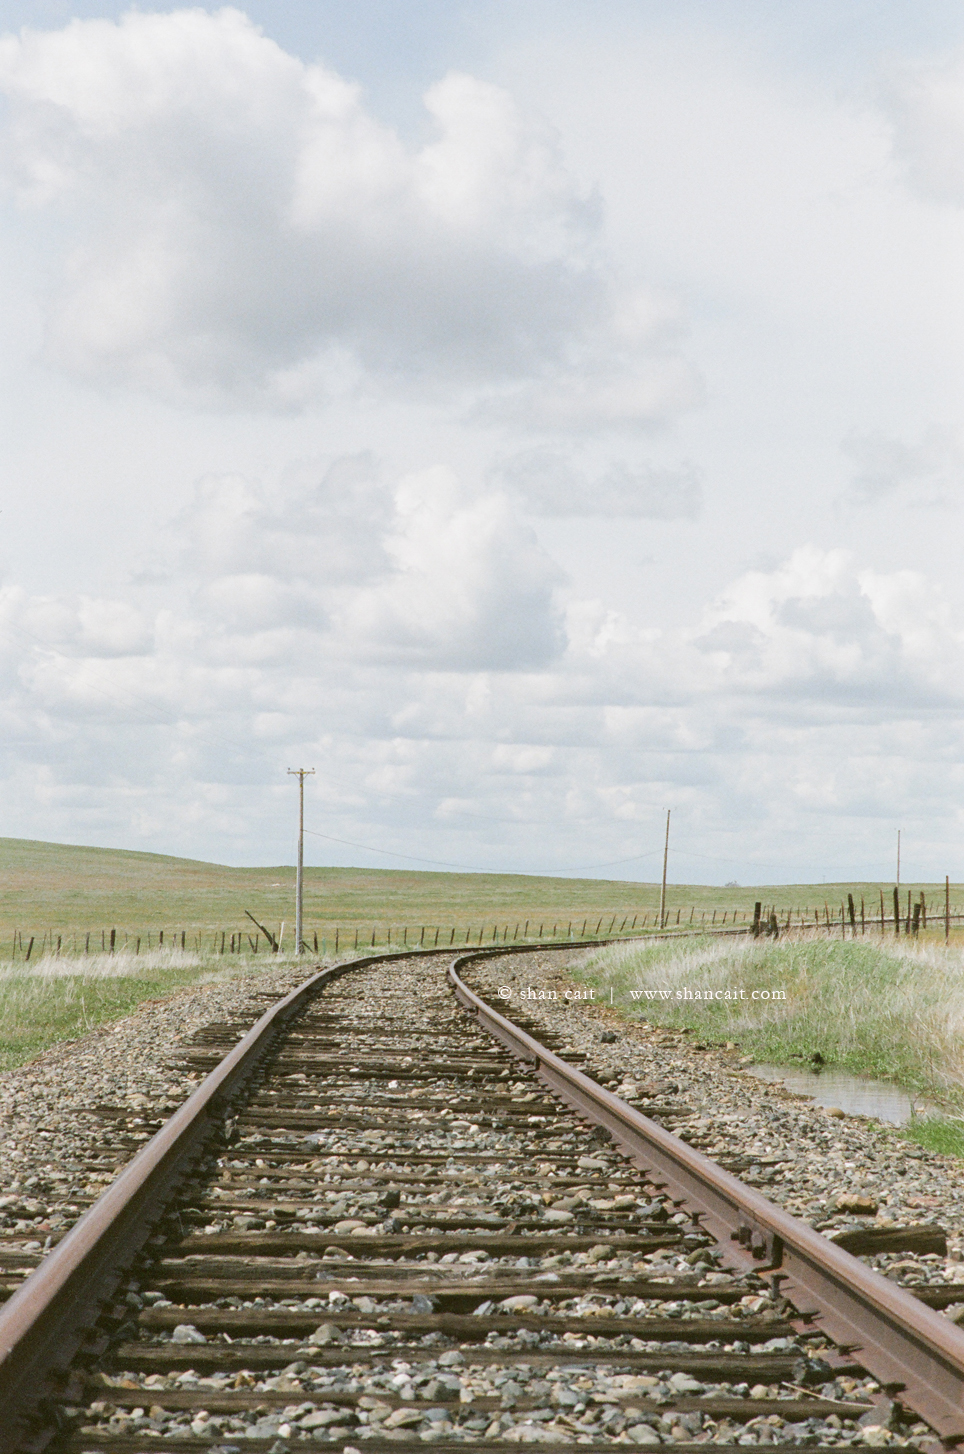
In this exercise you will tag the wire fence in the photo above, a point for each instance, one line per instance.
(898, 916)
(334, 937)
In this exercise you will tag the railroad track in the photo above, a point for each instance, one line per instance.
(389, 1214)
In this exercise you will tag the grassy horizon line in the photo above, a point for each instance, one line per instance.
(73, 888)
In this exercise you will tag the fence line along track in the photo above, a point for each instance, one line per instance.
(383, 1062)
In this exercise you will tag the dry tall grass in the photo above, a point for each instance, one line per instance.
(888, 1008)
(60, 997)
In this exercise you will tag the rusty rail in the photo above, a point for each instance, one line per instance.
(905, 1345)
(54, 1314)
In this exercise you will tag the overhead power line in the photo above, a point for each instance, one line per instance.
(473, 868)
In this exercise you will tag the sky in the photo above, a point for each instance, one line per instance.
(533, 417)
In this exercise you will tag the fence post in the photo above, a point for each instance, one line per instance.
(947, 908)
(897, 912)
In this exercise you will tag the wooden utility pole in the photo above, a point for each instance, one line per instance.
(300, 773)
(662, 892)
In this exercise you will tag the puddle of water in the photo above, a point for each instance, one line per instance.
(857, 1095)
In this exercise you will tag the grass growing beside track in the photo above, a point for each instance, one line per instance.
(863, 1005)
(58, 999)
(944, 1134)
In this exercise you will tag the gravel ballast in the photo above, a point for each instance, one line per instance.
(819, 1166)
(52, 1110)
(837, 1172)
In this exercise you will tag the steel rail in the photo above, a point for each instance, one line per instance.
(49, 1319)
(53, 1316)
(908, 1347)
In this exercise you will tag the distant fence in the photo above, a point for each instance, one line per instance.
(333, 936)
(891, 913)
(766, 919)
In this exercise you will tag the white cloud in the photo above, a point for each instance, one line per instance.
(422, 572)
(471, 590)
(501, 619)
(441, 693)
(238, 226)
(818, 628)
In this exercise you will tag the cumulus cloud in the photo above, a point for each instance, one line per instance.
(239, 226)
(470, 588)
(90, 626)
(819, 628)
(550, 483)
(421, 570)
(206, 218)
(446, 695)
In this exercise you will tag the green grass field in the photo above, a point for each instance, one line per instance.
(51, 889)
(51, 1000)
(56, 892)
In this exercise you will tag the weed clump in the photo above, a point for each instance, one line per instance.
(944, 1134)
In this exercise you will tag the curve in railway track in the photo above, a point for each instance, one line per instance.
(390, 1214)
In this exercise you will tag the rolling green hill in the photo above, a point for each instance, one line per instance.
(71, 891)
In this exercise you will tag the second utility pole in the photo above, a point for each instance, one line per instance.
(300, 773)
(662, 892)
